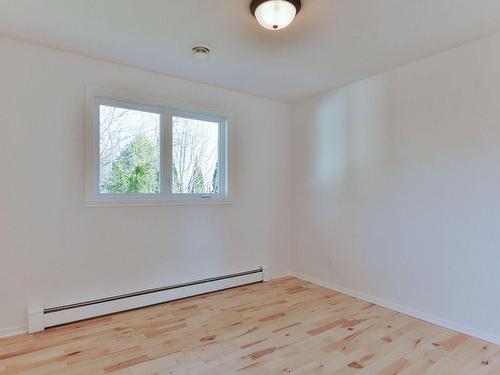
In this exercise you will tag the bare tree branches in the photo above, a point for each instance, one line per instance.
(118, 127)
(194, 155)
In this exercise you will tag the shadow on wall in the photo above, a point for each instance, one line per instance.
(348, 138)
(347, 151)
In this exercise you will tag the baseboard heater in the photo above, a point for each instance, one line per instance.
(40, 317)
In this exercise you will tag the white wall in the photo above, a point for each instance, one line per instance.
(395, 183)
(397, 187)
(54, 250)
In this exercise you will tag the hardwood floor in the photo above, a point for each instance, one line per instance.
(286, 326)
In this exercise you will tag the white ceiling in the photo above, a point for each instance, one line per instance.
(331, 42)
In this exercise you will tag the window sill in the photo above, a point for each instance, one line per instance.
(157, 202)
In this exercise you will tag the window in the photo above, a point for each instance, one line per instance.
(143, 150)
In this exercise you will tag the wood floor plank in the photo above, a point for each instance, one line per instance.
(286, 326)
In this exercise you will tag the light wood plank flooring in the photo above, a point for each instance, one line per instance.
(286, 326)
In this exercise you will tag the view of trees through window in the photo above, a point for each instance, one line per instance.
(195, 156)
(130, 153)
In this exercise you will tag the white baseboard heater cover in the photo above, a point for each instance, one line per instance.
(40, 317)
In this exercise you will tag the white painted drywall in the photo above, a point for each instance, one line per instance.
(54, 250)
(390, 187)
(397, 186)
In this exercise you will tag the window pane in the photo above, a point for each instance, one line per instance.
(195, 156)
(129, 151)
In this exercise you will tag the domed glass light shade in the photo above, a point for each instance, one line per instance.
(275, 14)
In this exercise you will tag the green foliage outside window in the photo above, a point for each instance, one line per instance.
(137, 168)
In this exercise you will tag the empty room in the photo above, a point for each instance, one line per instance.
(250, 187)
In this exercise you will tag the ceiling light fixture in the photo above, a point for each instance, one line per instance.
(275, 14)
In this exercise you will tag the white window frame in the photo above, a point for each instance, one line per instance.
(96, 96)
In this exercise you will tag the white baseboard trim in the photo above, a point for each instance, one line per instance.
(13, 331)
(486, 336)
(279, 275)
